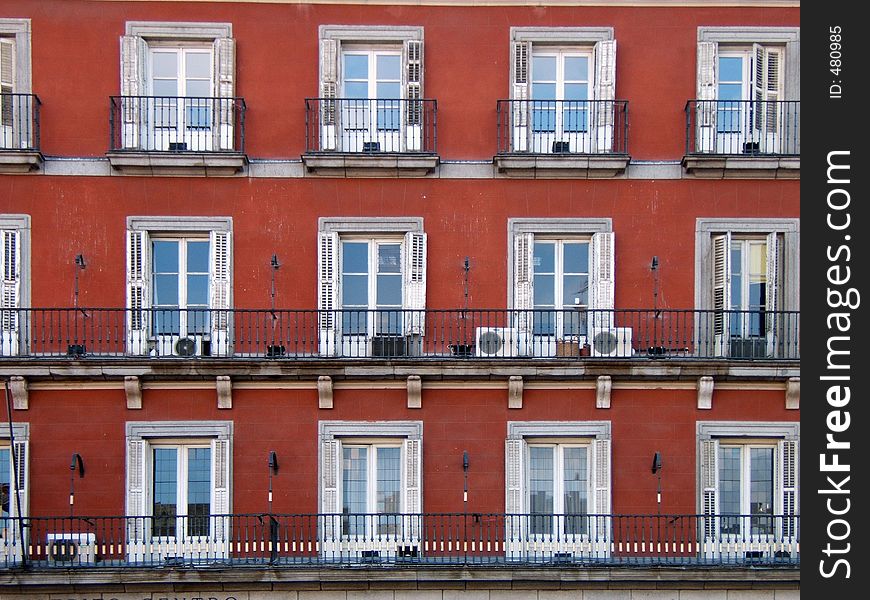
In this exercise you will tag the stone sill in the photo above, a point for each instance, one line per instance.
(370, 165)
(19, 161)
(557, 166)
(718, 166)
(202, 164)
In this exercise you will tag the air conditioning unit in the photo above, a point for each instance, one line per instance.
(496, 341)
(192, 346)
(611, 341)
(72, 548)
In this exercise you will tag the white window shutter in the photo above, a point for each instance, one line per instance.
(137, 474)
(414, 274)
(138, 291)
(602, 276)
(515, 456)
(789, 458)
(759, 85)
(328, 250)
(772, 302)
(705, 114)
(521, 54)
(330, 476)
(721, 263)
(709, 476)
(601, 487)
(221, 493)
(21, 460)
(220, 289)
(225, 89)
(412, 452)
(7, 70)
(412, 55)
(604, 94)
(134, 53)
(523, 273)
(329, 58)
(10, 291)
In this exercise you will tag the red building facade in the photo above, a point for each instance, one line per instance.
(419, 288)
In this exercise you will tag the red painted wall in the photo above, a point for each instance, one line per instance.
(92, 422)
(76, 64)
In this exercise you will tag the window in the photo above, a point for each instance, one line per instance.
(563, 273)
(14, 488)
(371, 496)
(177, 87)
(563, 89)
(748, 90)
(179, 286)
(557, 487)
(751, 287)
(178, 489)
(375, 74)
(16, 101)
(14, 289)
(749, 484)
(372, 279)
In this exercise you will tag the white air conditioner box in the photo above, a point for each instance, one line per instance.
(72, 548)
(497, 342)
(611, 341)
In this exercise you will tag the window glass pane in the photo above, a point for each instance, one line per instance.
(354, 485)
(575, 290)
(5, 483)
(729, 487)
(575, 257)
(197, 290)
(197, 257)
(199, 89)
(389, 290)
(356, 66)
(166, 290)
(198, 64)
(761, 489)
(167, 322)
(732, 92)
(164, 64)
(165, 256)
(164, 87)
(540, 488)
(576, 488)
(758, 261)
(730, 68)
(355, 257)
(198, 490)
(165, 477)
(544, 258)
(577, 91)
(388, 66)
(545, 294)
(356, 89)
(543, 68)
(576, 68)
(355, 291)
(543, 91)
(389, 258)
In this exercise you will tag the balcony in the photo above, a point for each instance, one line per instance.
(367, 137)
(479, 334)
(464, 540)
(169, 135)
(19, 133)
(743, 139)
(562, 138)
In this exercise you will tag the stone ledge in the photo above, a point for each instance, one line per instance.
(717, 166)
(370, 165)
(203, 164)
(20, 161)
(558, 166)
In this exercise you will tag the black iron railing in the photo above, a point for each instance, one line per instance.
(370, 125)
(19, 122)
(417, 334)
(176, 124)
(562, 126)
(477, 539)
(743, 127)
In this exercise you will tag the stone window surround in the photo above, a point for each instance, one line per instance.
(783, 430)
(329, 430)
(21, 223)
(558, 429)
(370, 33)
(706, 228)
(788, 36)
(369, 225)
(173, 30)
(20, 431)
(562, 35)
(20, 30)
(549, 226)
(179, 224)
(154, 430)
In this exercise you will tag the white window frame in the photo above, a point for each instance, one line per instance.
(371, 526)
(331, 232)
(559, 291)
(11, 543)
(373, 325)
(333, 435)
(560, 519)
(17, 133)
(14, 283)
(142, 437)
(519, 542)
(785, 437)
(141, 337)
(182, 475)
(19, 32)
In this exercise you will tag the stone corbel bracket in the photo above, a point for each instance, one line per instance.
(705, 393)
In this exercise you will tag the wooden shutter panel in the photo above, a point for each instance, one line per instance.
(709, 476)
(221, 493)
(137, 473)
(328, 249)
(10, 291)
(520, 75)
(134, 53)
(524, 247)
(759, 60)
(601, 285)
(414, 275)
(329, 57)
(788, 482)
(412, 451)
(705, 113)
(413, 58)
(721, 263)
(330, 475)
(772, 301)
(7, 83)
(220, 255)
(515, 453)
(21, 458)
(138, 292)
(601, 487)
(225, 89)
(604, 94)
